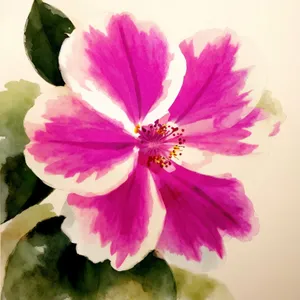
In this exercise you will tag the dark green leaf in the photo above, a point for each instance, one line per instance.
(24, 188)
(45, 266)
(45, 31)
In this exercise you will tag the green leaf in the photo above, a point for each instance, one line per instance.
(45, 265)
(14, 104)
(199, 287)
(24, 188)
(19, 187)
(12, 232)
(45, 31)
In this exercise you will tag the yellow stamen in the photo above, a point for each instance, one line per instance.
(137, 128)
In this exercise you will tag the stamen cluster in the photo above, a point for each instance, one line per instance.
(161, 143)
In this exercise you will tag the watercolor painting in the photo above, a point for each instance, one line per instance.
(111, 181)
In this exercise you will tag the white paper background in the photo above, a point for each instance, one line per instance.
(267, 268)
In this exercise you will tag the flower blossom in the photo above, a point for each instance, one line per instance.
(126, 137)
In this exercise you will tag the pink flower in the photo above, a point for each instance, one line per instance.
(127, 136)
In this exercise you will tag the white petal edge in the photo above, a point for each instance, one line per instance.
(91, 185)
(248, 56)
(89, 245)
(74, 73)
(215, 164)
(74, 66)
(212, 164)
(102, 185)
(57, 199)
(34, 116)
(174, 78)
(193, 158)
(209, 261)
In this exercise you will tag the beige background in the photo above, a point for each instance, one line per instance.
(267, 268)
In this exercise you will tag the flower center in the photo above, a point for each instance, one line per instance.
(160, 143)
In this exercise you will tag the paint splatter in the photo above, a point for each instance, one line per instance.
(273, 108)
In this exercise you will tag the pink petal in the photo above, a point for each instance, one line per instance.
(200, 209)
(224, 140)
(128, 63)
(274, 112)
(213, 104)
(127, 222)
(75, 148)
(219, 79)
(276, 129)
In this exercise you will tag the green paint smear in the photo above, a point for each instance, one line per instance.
(14, 103)
(45, 31)
(20, 226)
(271, 105)
(199, 287)
(3, 197)
(20, 188)
(194, 287)
(45, 265)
